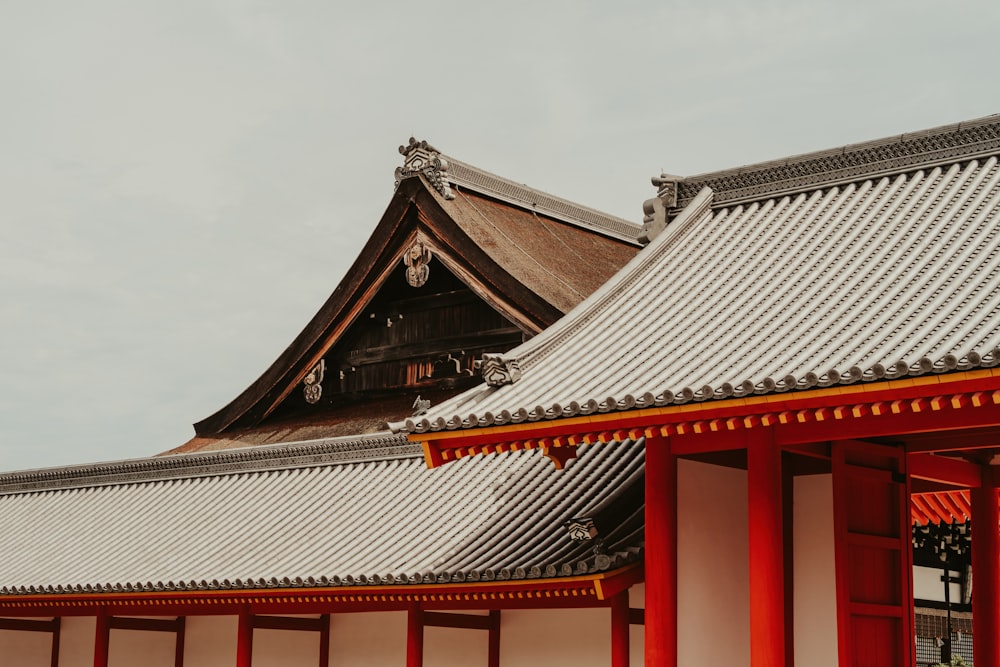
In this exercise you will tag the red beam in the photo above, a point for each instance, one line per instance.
(414, 637)
(636, 616)
(29, 625)
(619, 630)
(287, 623)
(146, 624)
(894, 424)
(945, 470)
(439, 619)
(661, 554)
(986, 574)
(767, 577)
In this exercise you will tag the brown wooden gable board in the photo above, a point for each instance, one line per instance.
(529, 268)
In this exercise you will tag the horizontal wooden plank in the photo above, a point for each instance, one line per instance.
(442, 345)
(288, 623)
(441, 619)
(146, 624)
(636, 616)
(29, 625)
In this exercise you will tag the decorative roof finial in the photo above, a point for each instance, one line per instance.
(656, 211)
(419, 157)
(498, 370)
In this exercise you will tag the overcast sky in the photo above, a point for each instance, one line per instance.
(182, 184)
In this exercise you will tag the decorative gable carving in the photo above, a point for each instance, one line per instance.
(312, 387)
(416, 259)
(419, 157)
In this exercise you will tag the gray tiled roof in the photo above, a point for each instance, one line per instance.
(327, 513)
(874, 279)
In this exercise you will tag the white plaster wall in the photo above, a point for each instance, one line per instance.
(814, 572)
(455, 647)
(210, 641)
(129, 648)
(285, 648)
(555, 638)
(928, 584)
(25, 649)
(713, 596)
(372, 639)
(76, 642)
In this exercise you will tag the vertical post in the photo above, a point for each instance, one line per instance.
(788, 519)
(244, 638)
(661, 554)
(493, 655)
(767, 576)
(414, 637)
(102, 639)
(985, 575)
(619, 630)
(56, 631)
(179, 642)
(324, 641)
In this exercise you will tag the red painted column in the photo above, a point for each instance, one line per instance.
(179, 642)
(619, 630)
(493, 654)
(767, 572)
(102, 639)
(324, 641)
(244, 639)
(985, 576)
(414, 637)
(661, 554)
(56, 634)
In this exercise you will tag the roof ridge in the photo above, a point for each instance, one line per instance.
(308, 453)
(879, 157)
(443, 170)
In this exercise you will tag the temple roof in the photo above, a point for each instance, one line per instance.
(294, 515)
(528, 255)
(883, 264)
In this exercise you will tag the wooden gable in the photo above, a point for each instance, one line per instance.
(447, 275)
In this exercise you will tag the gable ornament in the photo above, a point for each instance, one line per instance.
(419, 157)
(416, 258)
(312, 388)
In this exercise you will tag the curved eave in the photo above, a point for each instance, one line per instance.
(578, 591)
(962, 400)
(414, 206)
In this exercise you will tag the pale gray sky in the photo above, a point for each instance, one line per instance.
(183, 183)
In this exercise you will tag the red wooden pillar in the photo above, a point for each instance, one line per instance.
(244, 639)
(56, 634)
(324, 640)
(767, 537)
(102, 639)
(661, 554)
(619, 630)
(493, 655)
(414, 637)
(179, 642)
(985, 576)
